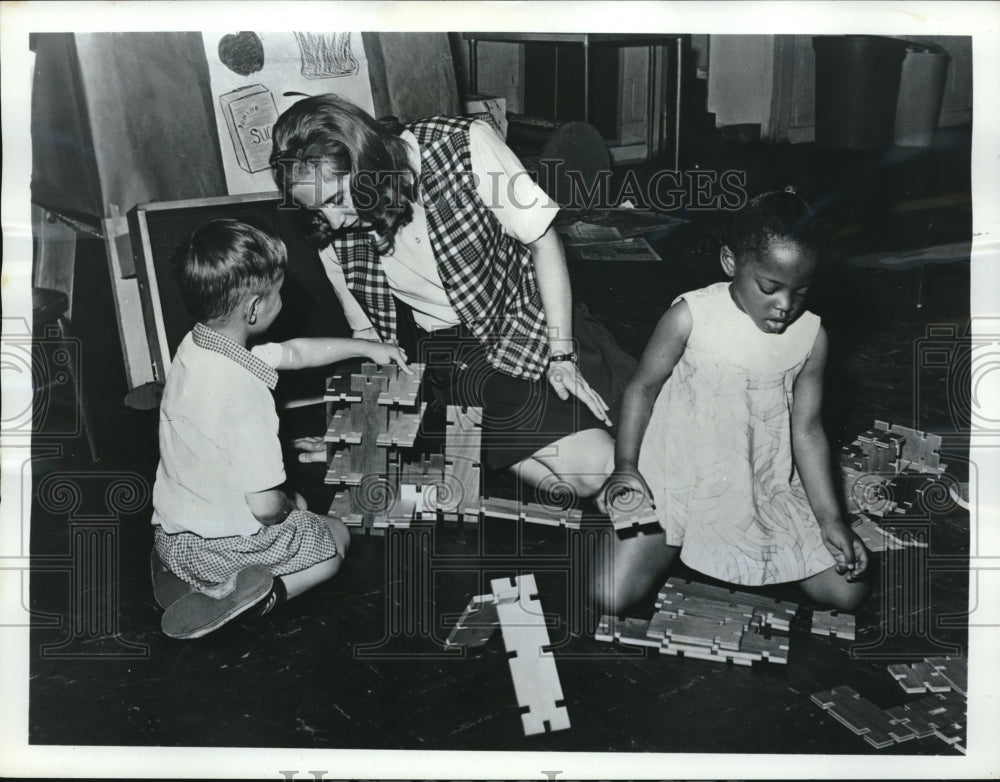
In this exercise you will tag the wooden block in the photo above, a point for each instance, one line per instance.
(400, 514)
(701, 631)
(736, 658)
(340, 390)
(500, 508)
(939, 709)
(898, 538)
(532, 667)
(340, 470)
(341, 508)
(868, 531)
(340, 431)
(658, 625)
(424, 470)
(713, 609)
(476, 625)
(903, 675)
(709, 653)
(367, 418)
(954, 670)
(625, 517)
(857, 714)
(402, 428)
(917, 725)
(835, 623)
(772, 649)
(773, 610)
(920, 451)
(606, 629)
(919, 677)
(401, 389)
(462, 454)
(823, 699)
(684, 589)
(634, 632)
(533, 513)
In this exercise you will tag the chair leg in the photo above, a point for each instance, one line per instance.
(81, 397)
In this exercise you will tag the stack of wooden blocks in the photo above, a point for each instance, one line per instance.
(371, 416)
(373, 419)
(942, 713)
(708, 623)
(871, 467)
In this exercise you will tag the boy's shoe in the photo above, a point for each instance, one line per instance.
(167, 588)
(197, 614)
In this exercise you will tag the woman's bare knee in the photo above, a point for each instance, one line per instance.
(581, 461)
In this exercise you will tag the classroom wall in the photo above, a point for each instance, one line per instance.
(741, 71)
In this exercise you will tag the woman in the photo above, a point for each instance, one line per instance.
(441, 217)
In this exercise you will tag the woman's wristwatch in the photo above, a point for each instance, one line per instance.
(557, 357)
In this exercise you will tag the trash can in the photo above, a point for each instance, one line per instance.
(857, 87)
(921, 90)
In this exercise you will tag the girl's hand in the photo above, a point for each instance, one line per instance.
(565, 378)
(381, 353)
(848, 551)
(311, 449)
(623, 489)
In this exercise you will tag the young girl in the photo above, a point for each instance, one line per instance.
(721, 427)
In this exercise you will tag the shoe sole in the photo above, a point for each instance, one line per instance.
(197, 614)
(167, 588)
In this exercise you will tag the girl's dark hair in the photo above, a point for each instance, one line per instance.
(223, 262)
(777, 214)
(328, 130)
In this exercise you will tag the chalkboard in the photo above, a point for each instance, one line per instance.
(158, 231)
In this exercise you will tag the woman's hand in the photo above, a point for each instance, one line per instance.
(625, 489)
(848, 550)
(565, 379)
(311, 449)
(382, 353)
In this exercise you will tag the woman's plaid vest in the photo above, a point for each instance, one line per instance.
(487, 274)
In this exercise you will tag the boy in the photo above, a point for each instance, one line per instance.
(228, 539)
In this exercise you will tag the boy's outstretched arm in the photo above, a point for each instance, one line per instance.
(304, 352)
(658, 361)
(812, 460)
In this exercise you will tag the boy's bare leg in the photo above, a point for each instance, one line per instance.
(303, 580)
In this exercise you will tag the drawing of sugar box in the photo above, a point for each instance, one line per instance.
(250, 114)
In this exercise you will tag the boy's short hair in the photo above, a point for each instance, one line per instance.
(222, 263)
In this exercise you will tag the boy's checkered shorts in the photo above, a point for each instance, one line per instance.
(303, 539)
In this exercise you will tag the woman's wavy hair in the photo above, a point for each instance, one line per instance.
(326, 130)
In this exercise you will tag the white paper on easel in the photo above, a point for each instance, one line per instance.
(250, 72)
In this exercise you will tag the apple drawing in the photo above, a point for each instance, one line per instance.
(242, 53)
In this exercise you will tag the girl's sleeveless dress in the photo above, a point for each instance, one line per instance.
(717, 453)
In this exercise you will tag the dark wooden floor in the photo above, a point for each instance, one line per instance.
(358, 662)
